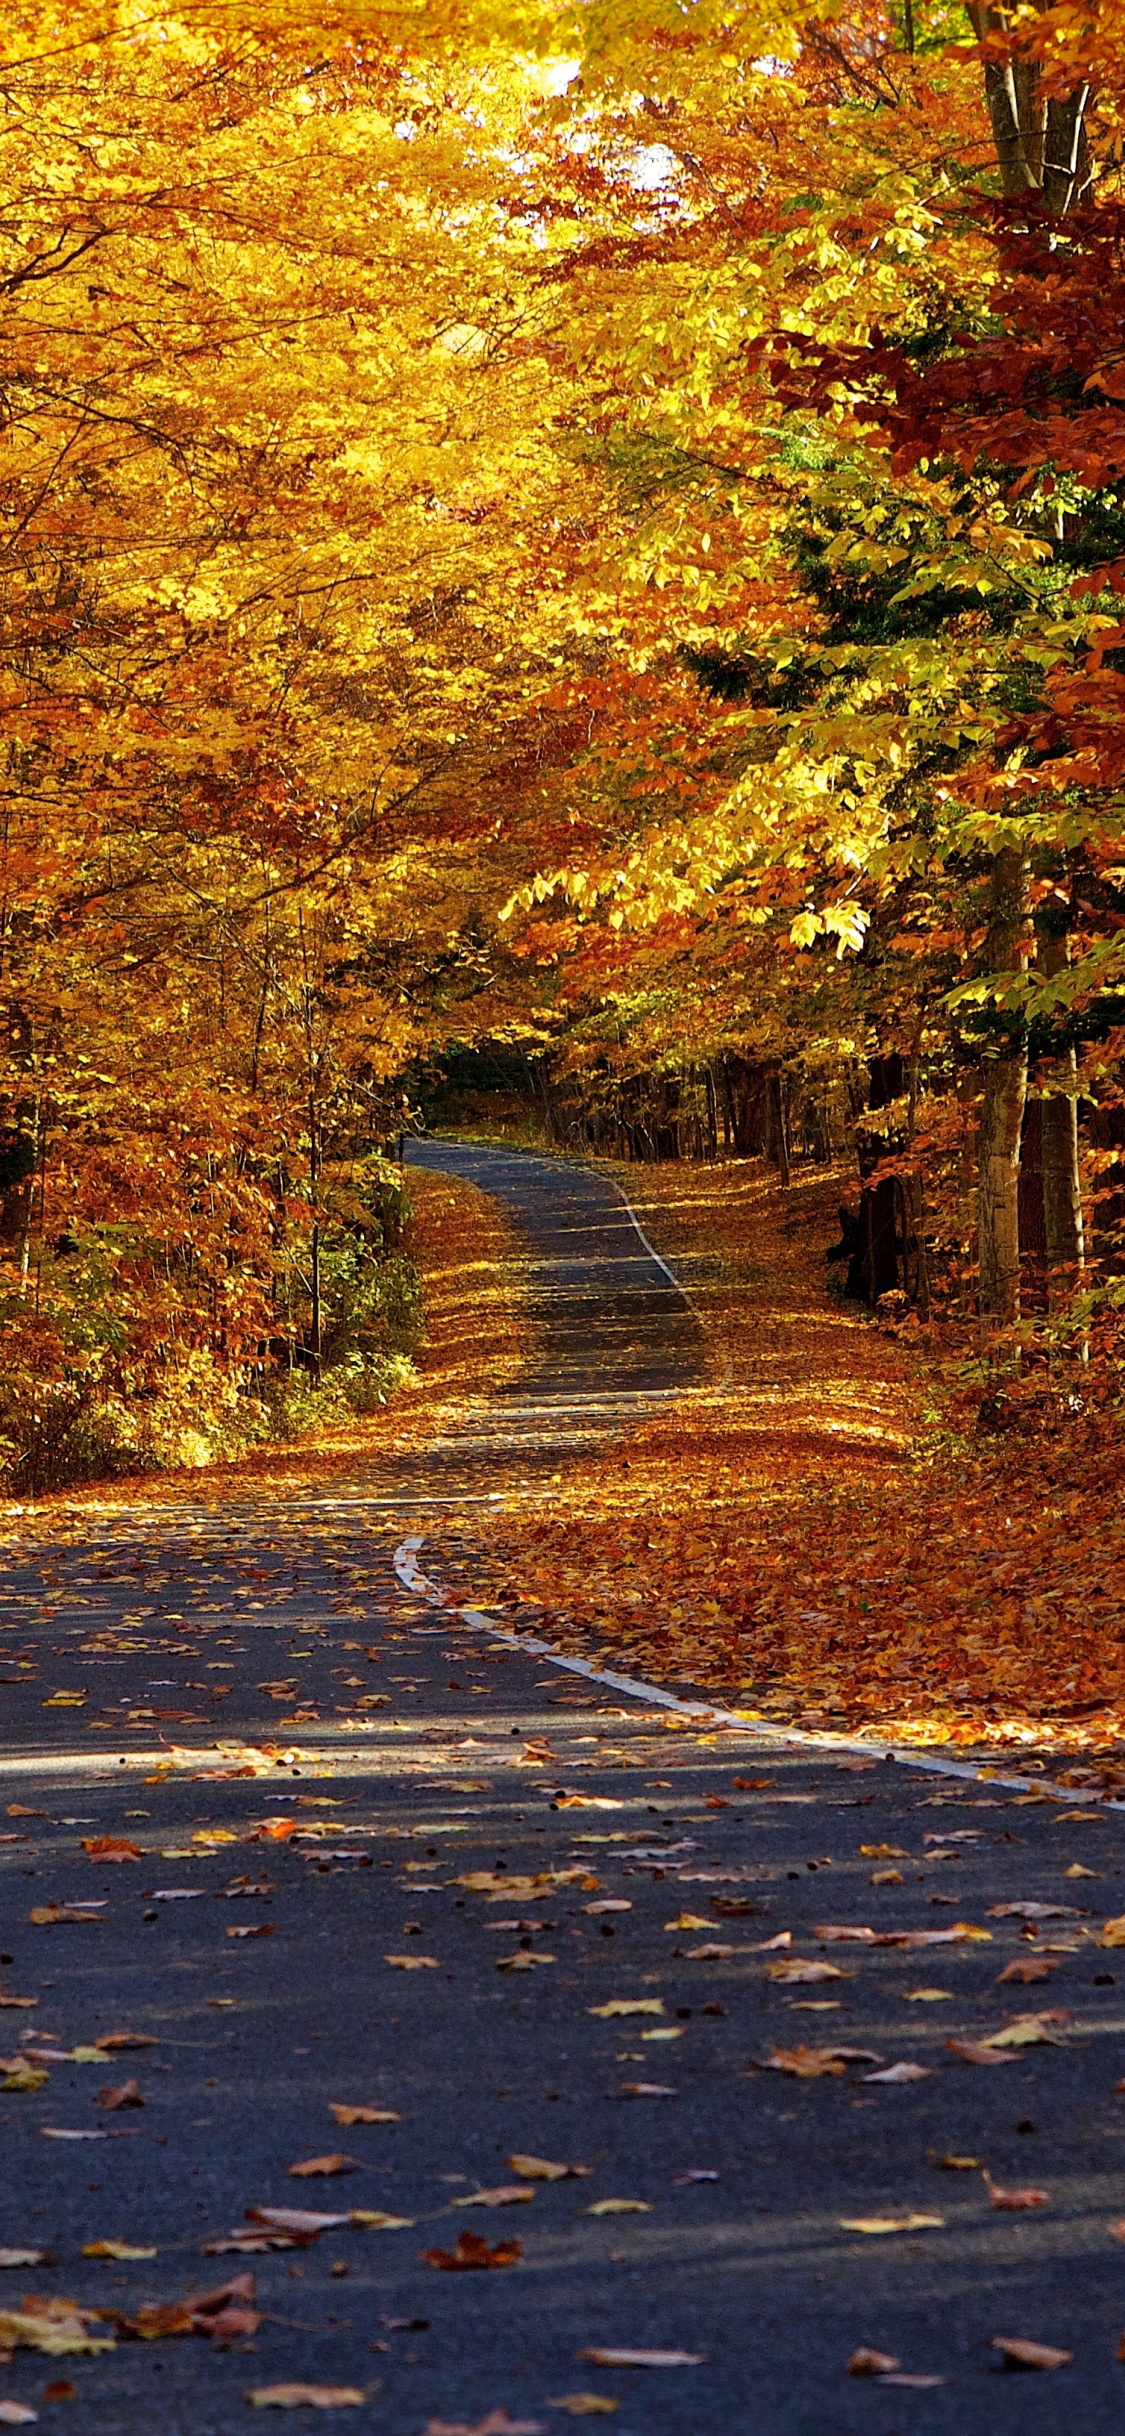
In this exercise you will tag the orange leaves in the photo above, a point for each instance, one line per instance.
(223, 2315)
(111, 1848)
(472, 2251)
(1017, 2352)
(830, 1574)
(540, 2169)
(347, 2115)
(294, 2397)
(310, 2167)
(1015, 2202)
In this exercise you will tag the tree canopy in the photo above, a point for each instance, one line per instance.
(598, 530)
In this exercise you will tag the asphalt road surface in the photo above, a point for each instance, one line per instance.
(386, 1862)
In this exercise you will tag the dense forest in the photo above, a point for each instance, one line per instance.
(570, 555)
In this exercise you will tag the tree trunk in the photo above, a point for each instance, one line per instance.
(1033, 1232)
(1042, 147)
(1001, 1119)
(1062, 1184)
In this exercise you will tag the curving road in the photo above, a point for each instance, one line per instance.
(617, 1334)
(612, 1935)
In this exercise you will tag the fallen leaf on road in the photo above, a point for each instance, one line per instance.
(1018, 2353)
(609, 1904)
(1027, 2030)
(398, 1962)
(800, 1974)
(959, 2165)
(62, 1915)
(375, 2220)
(1042, 1911)
(473, 2251)
(347, 2115)
(18, 2004)
(584, 2406)
(54, 2327)
(110, 1848)
(1014, 2201)
(890, 2224)
(265, 1929)
(646, 2089)
(124, 2038)
(16, 2415)
(898, 2073)
(306, 2222)
(541, 2169)
(686, 1920)
(709, 1953)
(127, 2094)
(253, 2245)
(504, 2195)
(804, 2063)
(619, 2207)
(811, 2063)
(523, 1961)
(21, 2075)
(1024, 1973)
(974, 2051)
(290, 2397)
(53, 2131)
(24, 2258)
(915, 2383)
(586, 1801)
(337, 2163)
(603, 2357)
(115, 2249)
(495, 2423)
(619, 2006)
(221, 2315)
(1113, 1932)
(927, 1996)
(868, 2363)
(882, 1852)
(886, 1877)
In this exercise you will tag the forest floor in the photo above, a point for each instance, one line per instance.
(809, 1535)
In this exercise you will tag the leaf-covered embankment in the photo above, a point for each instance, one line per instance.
(792, 1536)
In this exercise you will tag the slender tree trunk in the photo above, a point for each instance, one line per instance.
(779, 1146)
(1001, 1119)
(914, 1194)
(1062, 1186)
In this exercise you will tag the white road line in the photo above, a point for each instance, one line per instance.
(419, 1584)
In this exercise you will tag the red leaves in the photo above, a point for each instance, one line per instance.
(111, 1848)
(473, 2251)
(222, 2314)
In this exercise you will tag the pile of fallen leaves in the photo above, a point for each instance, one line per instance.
(797, 1539)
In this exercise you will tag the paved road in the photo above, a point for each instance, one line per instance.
(381, 1769)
